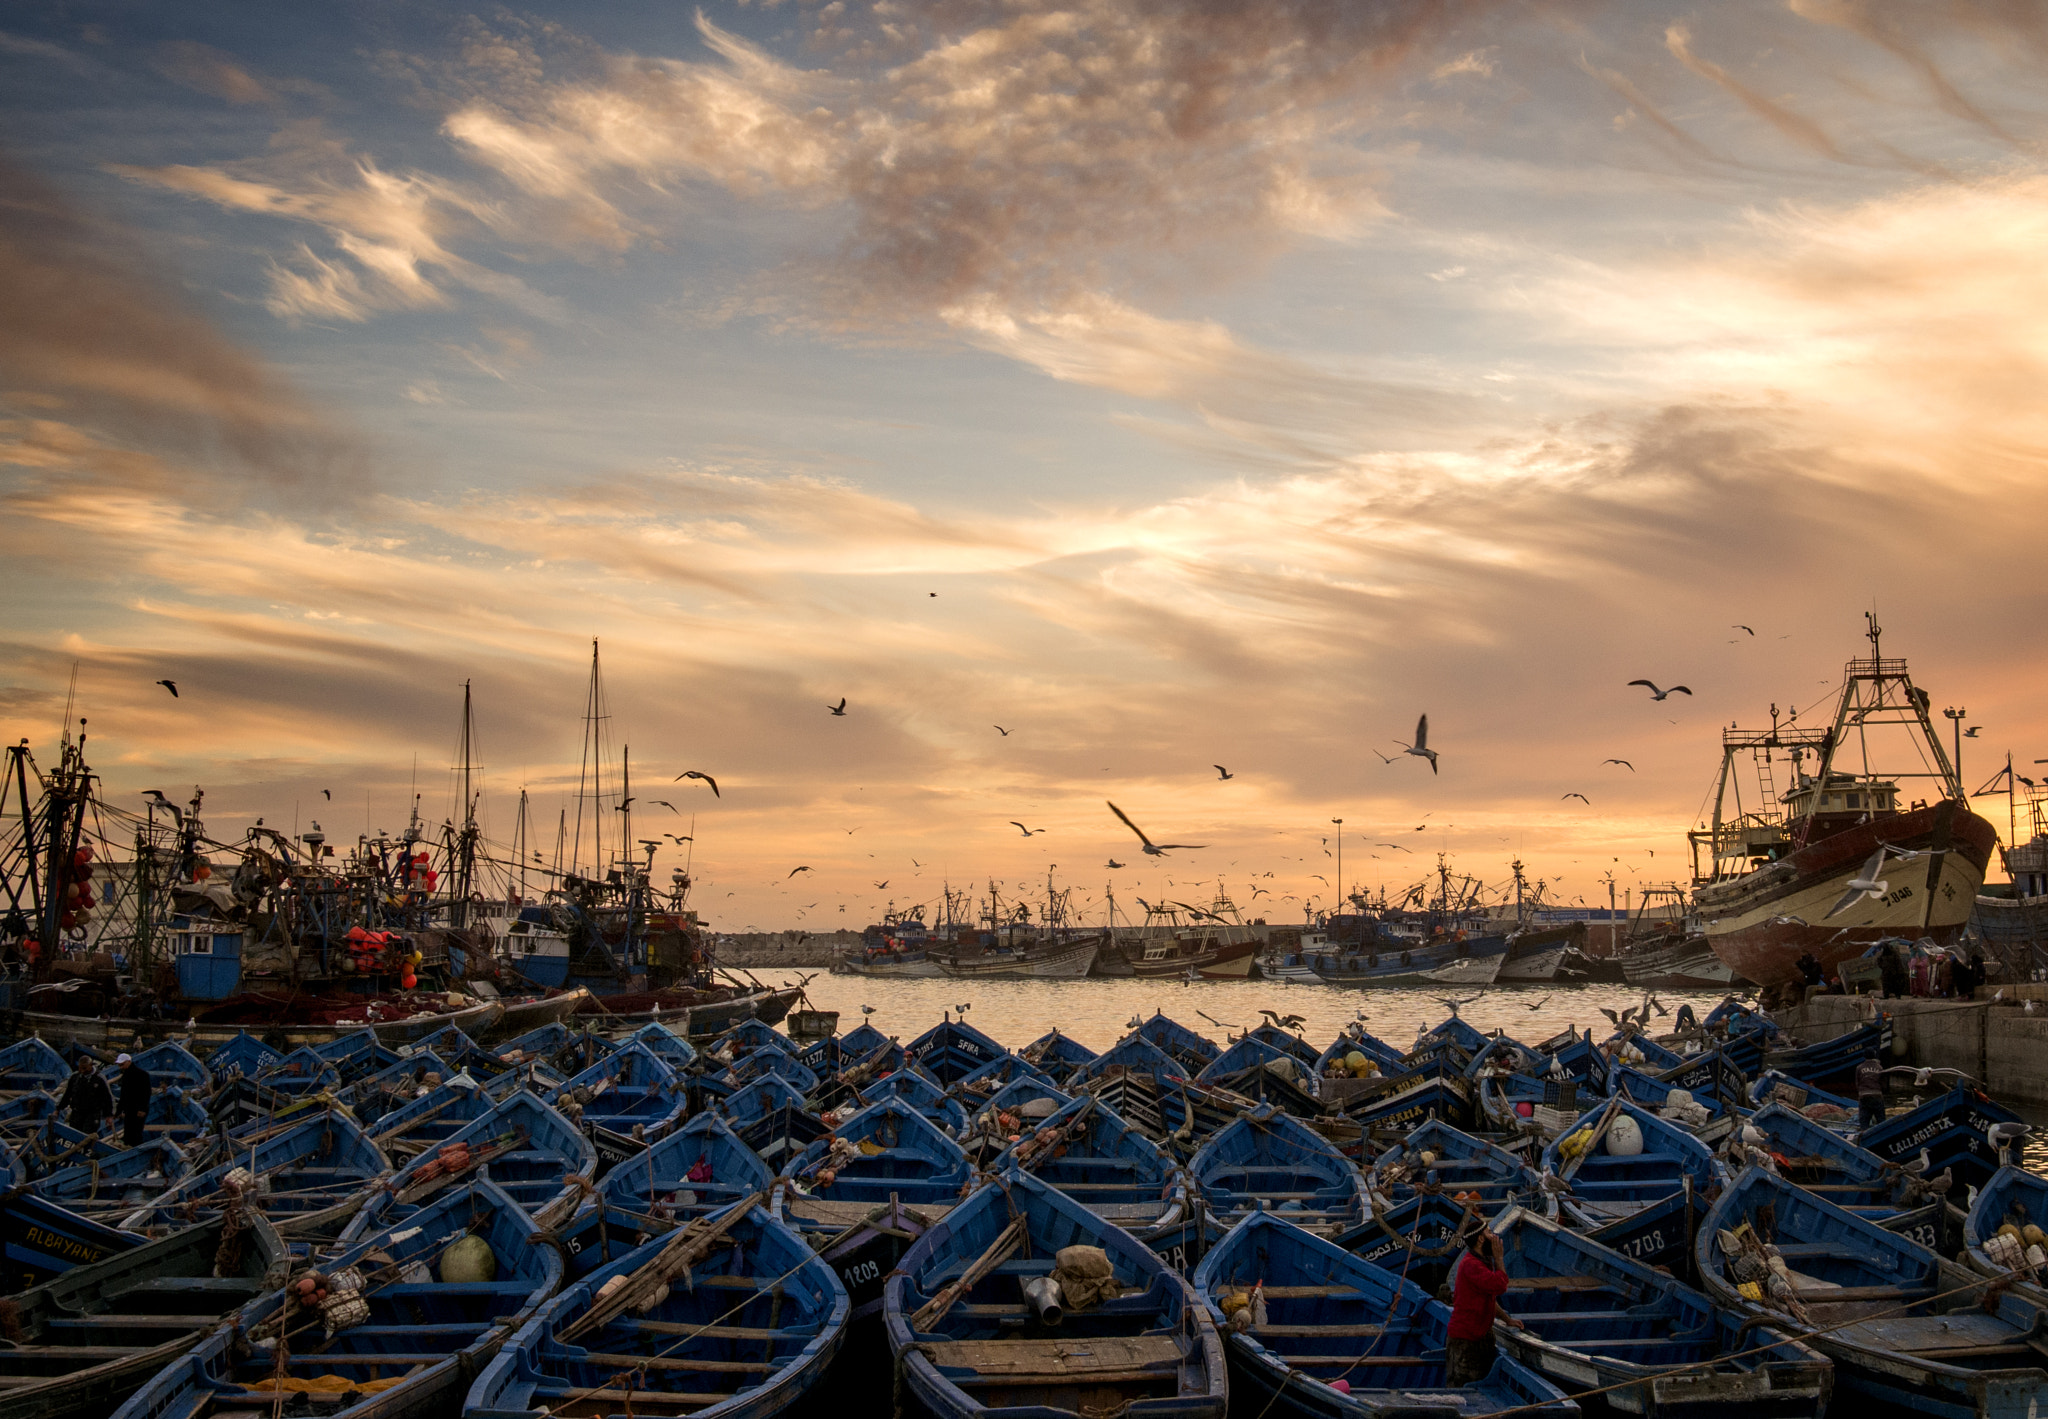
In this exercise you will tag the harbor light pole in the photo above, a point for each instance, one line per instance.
(1955, 717)
(1340, 862)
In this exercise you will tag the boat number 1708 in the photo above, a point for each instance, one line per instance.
(1639, 1247)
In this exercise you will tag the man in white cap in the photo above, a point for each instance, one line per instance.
(133, 1097)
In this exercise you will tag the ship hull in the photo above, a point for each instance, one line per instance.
(1690, 966)
(1228, 960)
(1065, 964)
(1760, 924)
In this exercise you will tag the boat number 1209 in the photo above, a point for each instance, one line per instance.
(861, 1271)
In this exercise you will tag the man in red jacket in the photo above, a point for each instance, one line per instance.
(1475, 1287)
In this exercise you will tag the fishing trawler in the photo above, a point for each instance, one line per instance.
(1843, 856)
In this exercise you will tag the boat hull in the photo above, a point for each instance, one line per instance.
(1229, 960)
(1761, 923)
(1067, 964)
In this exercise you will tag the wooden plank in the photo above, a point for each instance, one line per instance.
(1318, 1330)
(711, 1332)
(677, 1362)
(1054, 1359)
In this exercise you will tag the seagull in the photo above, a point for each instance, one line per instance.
(156, 796)
(1394, 845)
(1027, 832)
(1420, 748)
(696, 774)
(171, 685)
(880, 885)
(1657, 694)
(1741, 628)
(840, 708)
(1540, 1004)
(1971, 732)
(1152, 849)
(1284, 1022)
(867, 1010)
(794, 870)
(1384, 758)
(1580, 796)
(999, 729)
(1113, 863)
(1864, 884)
(664, 803)
(327, 794)
(679, 837)
(1623, 762)
(1224, 774)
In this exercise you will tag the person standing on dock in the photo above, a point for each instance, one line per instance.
(86, 1099)
(134, 1080)
(1476, 1287)
(1869, 1091)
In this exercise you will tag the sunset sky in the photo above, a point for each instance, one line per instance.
(1171, 383)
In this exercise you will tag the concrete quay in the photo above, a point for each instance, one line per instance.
(1996, 1043)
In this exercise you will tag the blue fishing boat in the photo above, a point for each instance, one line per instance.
(623, 1102)
(1133, 1054)
(528, 1150)
(1268, 1161)
(427, 1122)
(1611, 1176)
(176, 1115)
(1831, 1064)
(1356, 1039)
(242, 1057)
(1823, 1162)
(772, 1119)
(31, 1065)
(541, 1042)
(1444, 1159)
(1058, 1055)
(1314, 1331)
(1093, 1156)
(700, 1168)
(1835, 1111)
(1713, 1080)
(566, 1051)
(1003, 1117)
(39, 1240)
(1903, 1326)
(1660, 1235)
(1398, 1102)
(2002, 1214)
(951, 1051)
(1003, 1307)
(309, 1178)
(21, 1115)
(1451, 960)
(1949, 1132)
(80, 1343)
(734, 1317)
(1244, 1053)
(354, 1055)
(396, 1085)
(433, 1308)
(1192, 1048)
(863, 1256)
(1594, 1319)
(112, 1188)
(1633, 1047)
(863, 1042)
(886, 1149)
(1418, 1238)
(1577, 1057)
(1003, 1069)
(916, 1088)
(171, 1063)
(769, 1060)
(749, 1035)
(672, 1047)
(1705, 1117)
(1468, 1037)
(302, 1072)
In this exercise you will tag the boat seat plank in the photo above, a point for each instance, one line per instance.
(713, 1332)
(1281, 1293)
(679, 1362)
(94, 1353)
(1319, 1330)
(1053, 1359)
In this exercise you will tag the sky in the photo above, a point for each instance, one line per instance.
(1170, 383)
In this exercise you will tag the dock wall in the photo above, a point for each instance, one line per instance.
(1999, 1044)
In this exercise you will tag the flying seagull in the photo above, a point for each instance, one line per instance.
(1002, 731)
(693, 773)
(1580, 796)
(1027, 832)
(880, 885)
(1114, 863)
(156, 796)
(1384, 758)
(327, 794)
(1864, 884)
(1741, 628)
(1971, 732)
(794, 870)
(1223, 773)
(1420, 748)
(1623, 762)
(840, 708)
(1657, 694)
(1394, 845)
(680, 837)
(1152, 849)
(664, 803)
(171, 685)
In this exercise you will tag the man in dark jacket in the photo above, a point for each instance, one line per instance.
(86, 1099)
(134, 1081)
(1869, 1092)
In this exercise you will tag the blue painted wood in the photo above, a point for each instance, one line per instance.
(786, 1336)
(2013, 1196)
(1192, 1048)
(1268, 1161)
(1057, 1055)
(1445, 1159)
(671, 1046)
(31, 1064)
(912, 1159)
(243, 1056)
(1093, 1156)
(317, 1173)
(548, 1149)
(39, 1240)
(659, 1182)
(1614, 1321)
(1771, 1085)
(1403, 1100)
(951, 1051)
(356, 1054)
(631, 1092)
(1356, 1037)
(919, 1090)
(1383, 1337)
(1831, 1064)
(432, 1334)
(992, 1076)
(303, 1071)
(1132, 1054)
(1823, 1161)
(1952, 1129)
(114, 1187)
(768, 1059)
(1606, 1187)
(171, 1063)
(1246, 1052)
(986, 1352)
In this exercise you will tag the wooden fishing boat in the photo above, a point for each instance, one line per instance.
(83, 1341)
(750, 1035)
(1706, 1118)
(886, 1150)
(1448, 1160)
(700, 1168)
(39, 1240)
(171, 1063)
(1419, 1238)
(29, 1065)
(1594, 1319)
(1107, 1166)
(1949, 1132)
(1314, 1331)
(917, 1089)
(302, 1072)
(1831, 1064)
(1004, 1117)
(241, 1055)
(773, 1119)
(1605, 1184)
(1455, 960)
(990, 1312)
(625, 1101)
(522, 1017)
(867, 1251)
(1356, 1039)
(425, 1123)
(1903, 1326)
(1057, 1055)
(1133, 1054)
(533, 1155)
(952, 1050)
(1005, 1068)
(22, 1115)
(1660, 1235)
(1248, 1051)
(767, 1059)
(1267, 1161)
(106, 1035)
(1824, 1162)
(310, 1177)
(1190, 1047)
(748, 1318)
(677, 1050)
(2013, 1198)
(1834, 1111)
(109, 1189)
(430, 1317)
(1398, 1102)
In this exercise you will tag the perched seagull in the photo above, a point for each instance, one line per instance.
(1027, 832)
(1420, 748)
(704, 777)
(1152, 849)
(840, 708)
(1223, 773)
(999, 729)
(171, 685)
(1623, 762)
(794, 870)
(1657, 694)
(1580, 796)
(1864, 884)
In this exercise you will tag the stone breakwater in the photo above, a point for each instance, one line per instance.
(1996, 1043)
